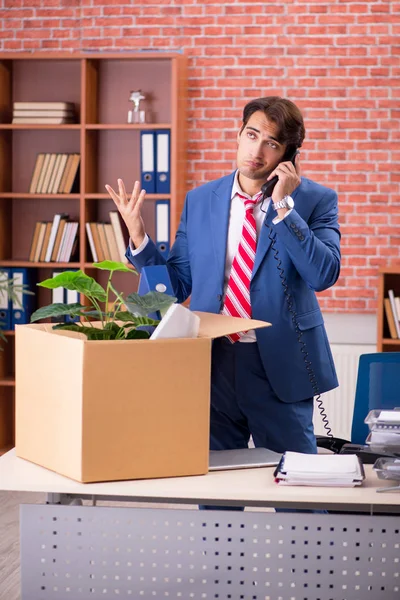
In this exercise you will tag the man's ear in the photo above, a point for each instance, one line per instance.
(238, 136)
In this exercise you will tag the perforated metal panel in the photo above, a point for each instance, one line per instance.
(81, 552)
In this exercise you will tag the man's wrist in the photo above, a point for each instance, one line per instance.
(137, 241)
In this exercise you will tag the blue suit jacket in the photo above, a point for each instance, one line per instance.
(307, 243)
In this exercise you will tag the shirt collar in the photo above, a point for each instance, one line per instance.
(236, 189)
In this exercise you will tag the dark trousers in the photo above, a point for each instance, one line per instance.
(243, 404)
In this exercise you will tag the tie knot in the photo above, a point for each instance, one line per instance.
(249, 203)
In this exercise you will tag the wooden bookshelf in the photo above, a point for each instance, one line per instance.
(389, 279)
(99, 85)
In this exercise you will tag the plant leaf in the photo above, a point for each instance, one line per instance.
(137, 334)
(65, 279)
(111, 265)
(148, 303)
(58, 310)
(142, 322)
(76, 280)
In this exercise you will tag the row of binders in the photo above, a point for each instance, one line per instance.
(392, 310)
(43, 113)
(55, 174)
(54, 241)
(17, 312)
(155, 147)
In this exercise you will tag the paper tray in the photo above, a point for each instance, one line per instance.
(387, 468)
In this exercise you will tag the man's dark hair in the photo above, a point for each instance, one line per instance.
(284, 113)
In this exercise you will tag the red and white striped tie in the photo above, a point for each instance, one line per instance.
(237, 299)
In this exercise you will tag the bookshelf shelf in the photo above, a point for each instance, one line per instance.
(389, 341)
(33, 126)
(128, 126)
(99, 86)
(107, 197)
(7, 382)
(27, 196)
(40, 265)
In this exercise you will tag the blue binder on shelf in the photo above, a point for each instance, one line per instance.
(155, 279)
(5, 304)
(162, 208)
(147, 161)
(22, 316)
(163, 149)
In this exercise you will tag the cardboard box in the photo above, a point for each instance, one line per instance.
(113, 410)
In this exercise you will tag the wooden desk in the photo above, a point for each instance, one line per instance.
(249, 487)
(92, 552)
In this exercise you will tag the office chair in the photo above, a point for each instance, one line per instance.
(378, 387)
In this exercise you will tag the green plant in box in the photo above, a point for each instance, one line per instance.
(116, 324)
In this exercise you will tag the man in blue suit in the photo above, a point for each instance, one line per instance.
(263, 385)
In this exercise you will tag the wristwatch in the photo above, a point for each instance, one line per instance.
(286, 202)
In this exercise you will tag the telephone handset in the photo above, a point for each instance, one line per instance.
(268, 186)
(267, 190)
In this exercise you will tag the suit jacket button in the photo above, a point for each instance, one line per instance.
(292, 225)
(219, 297)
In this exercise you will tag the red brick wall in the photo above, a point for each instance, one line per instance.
(338, 60)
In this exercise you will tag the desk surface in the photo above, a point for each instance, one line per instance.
(252, 487)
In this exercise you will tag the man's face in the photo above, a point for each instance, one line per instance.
(258, 151)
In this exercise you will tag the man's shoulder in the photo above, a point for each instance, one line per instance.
(308, 186)
(216, 185)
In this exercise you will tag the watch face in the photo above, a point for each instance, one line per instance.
(289, 202)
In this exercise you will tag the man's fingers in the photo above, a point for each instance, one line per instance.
(140, 200)
(113, 194)
(122, 191)
(135, 191)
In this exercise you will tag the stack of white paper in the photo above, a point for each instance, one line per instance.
(178, 322)
(320, 470)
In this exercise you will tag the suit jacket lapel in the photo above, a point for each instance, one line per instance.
(220, 203)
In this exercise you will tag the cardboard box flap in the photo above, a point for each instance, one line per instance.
(214, 326)
(49, 328)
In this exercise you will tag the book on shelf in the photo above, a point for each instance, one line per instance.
(36, 172)
(44, 113)
(46, 238)
(396, 316)
(43, 106)
(55, 173)
(390, 318)
(54, 241)
(55, 113)
(53, 234)
(103, 242)
(121, 234)
(69, 241)
(60, 231)
(43, 120)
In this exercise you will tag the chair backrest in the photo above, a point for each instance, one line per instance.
(378, 386)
